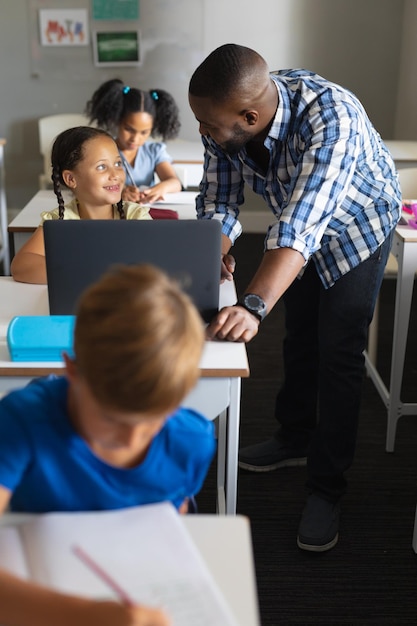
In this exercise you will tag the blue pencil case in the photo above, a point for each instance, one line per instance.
(40, 337)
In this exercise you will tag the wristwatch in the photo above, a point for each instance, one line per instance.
(254, 304)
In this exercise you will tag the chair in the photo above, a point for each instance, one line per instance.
(49, 127)
(188, 161)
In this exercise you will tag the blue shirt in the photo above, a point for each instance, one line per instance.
(147, 158)
(331, 182)
(49, 467)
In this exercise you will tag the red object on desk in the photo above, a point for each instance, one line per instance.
(408, 207)
(163, 214)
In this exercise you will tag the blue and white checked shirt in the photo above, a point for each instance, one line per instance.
(331, 182)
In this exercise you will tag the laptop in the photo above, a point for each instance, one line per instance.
(78, 252)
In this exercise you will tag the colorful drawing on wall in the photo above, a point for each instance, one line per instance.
(116, 47)
(63, 27)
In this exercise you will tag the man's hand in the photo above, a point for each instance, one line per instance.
(233, 323)
(227, 268)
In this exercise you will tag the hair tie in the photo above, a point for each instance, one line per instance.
(154, 95)
(126, 89)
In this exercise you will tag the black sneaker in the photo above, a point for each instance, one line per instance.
(319, 526)
(270, 455)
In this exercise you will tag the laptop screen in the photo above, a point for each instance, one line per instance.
(78, 252)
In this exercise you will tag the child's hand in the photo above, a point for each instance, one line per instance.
(131, 194)
(112, 613)
(150, 195)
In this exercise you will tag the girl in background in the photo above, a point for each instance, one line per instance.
(134, 116)
(86, 161)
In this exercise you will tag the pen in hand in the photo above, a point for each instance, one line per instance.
(101, 573)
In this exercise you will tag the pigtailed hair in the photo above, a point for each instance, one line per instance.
(106, 107)
(121, 209)
(57, 190)
(113, 101)
(166, 117)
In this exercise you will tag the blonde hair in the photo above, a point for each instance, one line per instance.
(138, 340)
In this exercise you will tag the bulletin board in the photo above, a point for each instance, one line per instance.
(171, 42)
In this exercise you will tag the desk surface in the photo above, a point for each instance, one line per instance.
(28, 219)
(220, 359)
(402, 150)
(225, 544)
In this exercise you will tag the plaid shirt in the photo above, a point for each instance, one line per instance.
(331, 183)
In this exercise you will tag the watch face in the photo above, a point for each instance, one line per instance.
(255, 304)
(253, 301)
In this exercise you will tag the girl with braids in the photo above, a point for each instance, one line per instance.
(133, 116)
(86, 161)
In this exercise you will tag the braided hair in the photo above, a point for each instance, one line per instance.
(67, 152)
(113, 101)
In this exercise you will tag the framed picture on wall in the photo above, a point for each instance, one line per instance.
(63, 27)
(116, 47)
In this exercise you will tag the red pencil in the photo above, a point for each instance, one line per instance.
(105, 577)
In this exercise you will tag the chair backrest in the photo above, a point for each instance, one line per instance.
(49, 127)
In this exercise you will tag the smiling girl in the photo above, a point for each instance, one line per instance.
(86, 161)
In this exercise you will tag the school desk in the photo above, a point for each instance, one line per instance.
(226, 547)
(403, 152)
(28, 219)
(404, 248)
(216, 395)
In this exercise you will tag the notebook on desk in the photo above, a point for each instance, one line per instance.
(78, 252)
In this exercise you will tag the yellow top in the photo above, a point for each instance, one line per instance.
(132, 211)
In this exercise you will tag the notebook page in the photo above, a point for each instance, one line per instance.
(145, 549)
(12, 557)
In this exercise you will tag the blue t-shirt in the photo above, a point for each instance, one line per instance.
(49, 467)
(147, 158)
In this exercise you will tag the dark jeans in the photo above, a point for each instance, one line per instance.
(326, 333)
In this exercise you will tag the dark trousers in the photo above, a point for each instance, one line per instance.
(326, 333)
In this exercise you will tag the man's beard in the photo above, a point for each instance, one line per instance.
(238, 141)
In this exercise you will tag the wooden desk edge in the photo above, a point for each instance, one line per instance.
(21, 229)
(30, 371)
(188, 162)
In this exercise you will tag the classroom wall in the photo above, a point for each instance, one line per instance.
(406, 109)
(357, 43)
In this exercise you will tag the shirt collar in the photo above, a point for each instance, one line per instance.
(279, 127)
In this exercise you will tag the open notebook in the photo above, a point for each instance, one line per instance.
(146, 550)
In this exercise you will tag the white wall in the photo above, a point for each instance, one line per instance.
(354, 42)
(406, 111)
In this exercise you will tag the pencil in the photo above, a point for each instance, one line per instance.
(101, 573)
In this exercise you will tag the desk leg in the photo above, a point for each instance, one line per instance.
(406, 271)
(233, 426)
(219, 398)
(221, 461)
(415, 533)
(3, 217)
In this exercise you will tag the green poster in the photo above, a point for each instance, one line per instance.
(115, 9)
